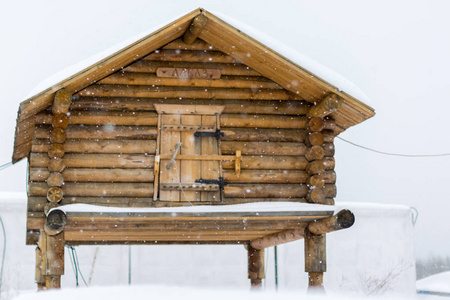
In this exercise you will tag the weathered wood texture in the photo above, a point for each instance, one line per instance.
(255, 266)
(104, 151)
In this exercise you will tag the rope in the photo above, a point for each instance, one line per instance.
(3, 255)
(394, 154)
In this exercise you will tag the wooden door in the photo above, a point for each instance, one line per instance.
(188, 142)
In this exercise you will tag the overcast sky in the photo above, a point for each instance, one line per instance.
(397, 52)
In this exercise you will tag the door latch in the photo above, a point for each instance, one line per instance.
(220, 182)
(217, 134)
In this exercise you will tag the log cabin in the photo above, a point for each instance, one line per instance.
(196, 114)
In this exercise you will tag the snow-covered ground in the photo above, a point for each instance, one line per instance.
(374, 257)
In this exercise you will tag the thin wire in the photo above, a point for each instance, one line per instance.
(4, 166)
(78, 264)
(3, 255)
(72, 262)
(394, 154)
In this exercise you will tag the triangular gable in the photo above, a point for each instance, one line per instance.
(222, 36)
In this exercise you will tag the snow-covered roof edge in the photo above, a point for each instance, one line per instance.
(331, 76)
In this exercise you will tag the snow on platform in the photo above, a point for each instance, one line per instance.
(437, 284)
(270, 207)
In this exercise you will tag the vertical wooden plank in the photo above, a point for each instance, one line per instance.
(169, 140)
(39, 276)
(190, 169)
(210, 169)
(156, 168)
(52, 257)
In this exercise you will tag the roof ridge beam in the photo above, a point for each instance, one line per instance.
(194, 30)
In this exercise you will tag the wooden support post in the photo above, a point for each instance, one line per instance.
(315, 260)
(255, 266)
(52, 254)
(195, 29)
(39, 274)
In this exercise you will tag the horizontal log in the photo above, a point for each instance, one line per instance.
(317, 181)
(263, 135)
(273, 176)
(95, 175)
(55, 164)
(315, 153)
(107, 132)
(102, 146)
(144, 91)
(264, 148)
(263, 121)
(61, 102)
(149, 132)
(96, 189)
(315, 139)
(231, 106)
(279, 238)
(97, 160)
(57, 136)
(60, 121)
(54, 195)
(272, 190)
(325, 107)
(150, 79)
(316, 124)
(54, 179)
(157, 237)
(342, 220)
(267, 162)
(145, 66)
(105, 118)
(191, 56)
(146, 190)
(198, 44)
(56, 220)
(53, 150)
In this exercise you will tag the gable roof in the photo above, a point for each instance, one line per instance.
(221, 35)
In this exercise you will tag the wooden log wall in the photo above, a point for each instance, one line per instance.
(103, 153)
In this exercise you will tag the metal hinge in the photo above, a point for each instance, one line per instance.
(217, 134)
(220, 182)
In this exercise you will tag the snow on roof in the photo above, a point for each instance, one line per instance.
(332, 77)
(92, 60)
(246, 207)
(340, 82)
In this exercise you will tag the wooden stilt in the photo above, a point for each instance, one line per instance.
(315, 261)
(255, 266)
(52, 253)
(39, 276)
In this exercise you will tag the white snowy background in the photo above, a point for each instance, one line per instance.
(397, 52)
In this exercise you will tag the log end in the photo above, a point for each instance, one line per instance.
(56, 220)
(345, 218)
